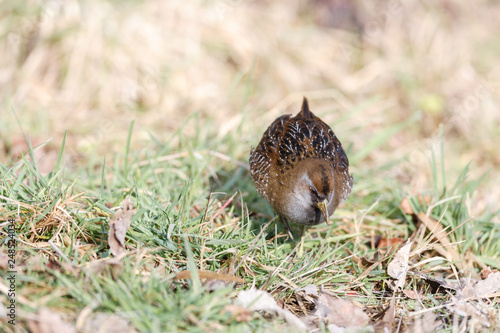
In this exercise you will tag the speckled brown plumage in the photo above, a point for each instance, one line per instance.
(300, 168)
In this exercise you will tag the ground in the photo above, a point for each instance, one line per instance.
(159, 102)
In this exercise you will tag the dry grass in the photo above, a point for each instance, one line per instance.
(201, 80)
(91, 68)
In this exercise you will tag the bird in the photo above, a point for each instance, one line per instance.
(300, 168)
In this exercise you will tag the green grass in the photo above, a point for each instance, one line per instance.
(178, 190)
(102, 100)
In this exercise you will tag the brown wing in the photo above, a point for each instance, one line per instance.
(261, 165)
(310, 138)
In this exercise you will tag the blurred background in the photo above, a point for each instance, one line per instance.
(383, 74)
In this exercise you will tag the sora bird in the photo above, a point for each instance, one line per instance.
(300, 168)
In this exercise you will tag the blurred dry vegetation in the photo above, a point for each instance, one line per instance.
(92, 67)
(388, 76)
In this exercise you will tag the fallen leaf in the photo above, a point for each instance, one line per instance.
(209, 275)
(475, 314)
(482, 288)
(406, 206)
(398, 267)
(340, 312)
(472, 312)
(239, 313)
(485, 272)
(259, 300)
(365, 262)
(391, 242)
(47, 321)
(118, 227)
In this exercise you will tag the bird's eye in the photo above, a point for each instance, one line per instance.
(313, 190)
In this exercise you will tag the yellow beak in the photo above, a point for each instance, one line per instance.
(323, 207)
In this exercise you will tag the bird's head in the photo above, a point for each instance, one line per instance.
(310, 198)
(319, 181)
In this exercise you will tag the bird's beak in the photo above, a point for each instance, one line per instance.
(323, 207)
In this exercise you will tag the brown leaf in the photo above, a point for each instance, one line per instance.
(239, 313)
(118, 227)
(485, 272)
(365, 262)
(482, 288)
(406, 206)
(47, 321)
(392, 242)
(340, 312)
(398, 267)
